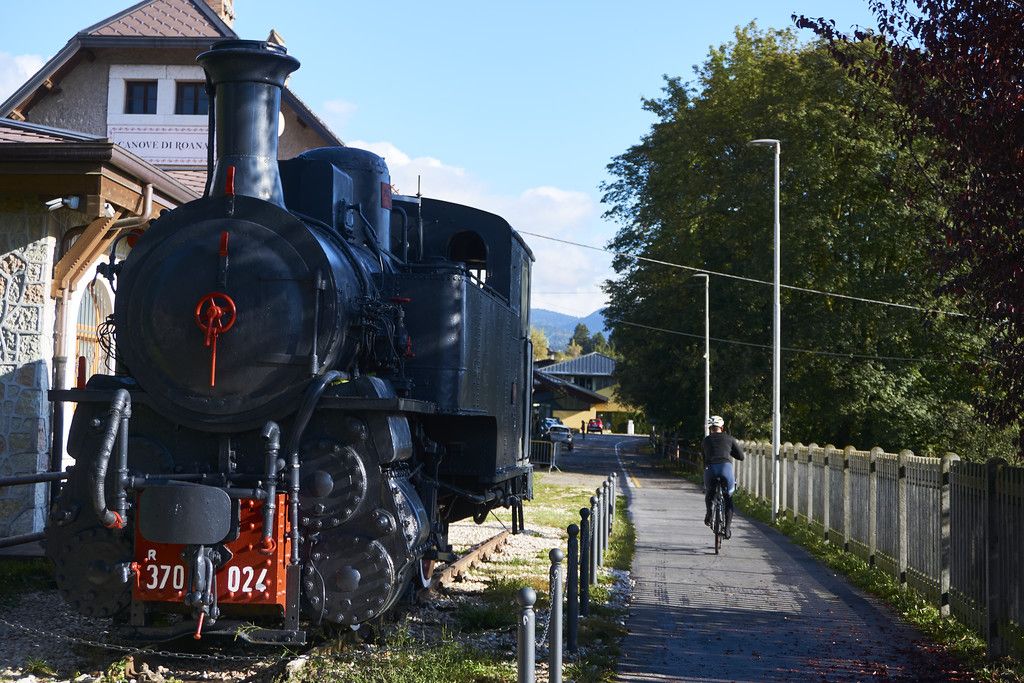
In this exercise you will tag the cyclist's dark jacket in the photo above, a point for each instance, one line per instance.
(720, 448)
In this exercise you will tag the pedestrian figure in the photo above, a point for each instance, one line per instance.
(583, 428)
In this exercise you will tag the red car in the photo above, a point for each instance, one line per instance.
(595, 426)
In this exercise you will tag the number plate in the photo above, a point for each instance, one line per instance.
(250, 577)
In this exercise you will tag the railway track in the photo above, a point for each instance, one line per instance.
(481, 552)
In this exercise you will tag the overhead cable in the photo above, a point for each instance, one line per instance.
(742, 278)
(831, 354)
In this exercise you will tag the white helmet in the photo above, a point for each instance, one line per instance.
(716, 421)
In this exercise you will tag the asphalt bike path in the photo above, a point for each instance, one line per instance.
(762, 610)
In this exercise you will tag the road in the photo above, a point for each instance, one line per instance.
(763, 610)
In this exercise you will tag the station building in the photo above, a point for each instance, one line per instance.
(109, 132)
(578, 390)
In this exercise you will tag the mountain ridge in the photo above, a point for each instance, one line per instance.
(559, 327)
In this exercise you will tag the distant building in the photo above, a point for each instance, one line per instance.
(578, 390)
(117, 116)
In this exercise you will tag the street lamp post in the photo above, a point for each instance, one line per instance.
(707, 352)
(776, 335)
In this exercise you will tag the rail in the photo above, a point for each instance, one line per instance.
(457, 570)
(25, 480)
(947, 528)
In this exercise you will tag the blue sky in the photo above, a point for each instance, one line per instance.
(512, 106)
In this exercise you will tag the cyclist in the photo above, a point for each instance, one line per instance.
(719, 450)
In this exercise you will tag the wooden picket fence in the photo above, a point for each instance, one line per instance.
(950, 529)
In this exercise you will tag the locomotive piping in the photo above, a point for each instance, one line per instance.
(120, 412)
(271, 434)
(309, 401)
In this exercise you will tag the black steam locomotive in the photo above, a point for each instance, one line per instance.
(318, 376)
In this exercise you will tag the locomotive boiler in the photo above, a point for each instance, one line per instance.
(316, 376)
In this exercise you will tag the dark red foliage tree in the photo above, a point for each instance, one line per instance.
(958, 68)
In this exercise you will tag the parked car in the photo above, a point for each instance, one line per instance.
(546, 424)
(595, 426)
(561, 434)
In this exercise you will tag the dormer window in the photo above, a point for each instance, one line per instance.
(140, 97)
(190, 98)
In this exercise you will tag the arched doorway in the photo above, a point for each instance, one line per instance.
(92, 311)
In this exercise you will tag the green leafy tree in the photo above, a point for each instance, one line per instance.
(600, 344)
(581, 338)
(540, 343)
(692, 191)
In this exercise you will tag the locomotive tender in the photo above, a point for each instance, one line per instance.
(316, 377)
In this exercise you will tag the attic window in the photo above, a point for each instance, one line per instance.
(191, 98)
(469, 248)
(140, 97)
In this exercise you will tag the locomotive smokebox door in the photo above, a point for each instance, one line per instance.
(190, 514)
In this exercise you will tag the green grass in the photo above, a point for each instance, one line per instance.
(622, 543)
(39, 667)
(20, 576)
(954, 637)
(406, 660)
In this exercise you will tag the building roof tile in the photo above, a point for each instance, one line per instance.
(21, 132)
(193, 180)
(593, 364)
(163, 19)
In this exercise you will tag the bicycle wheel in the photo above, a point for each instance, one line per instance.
(718, 522)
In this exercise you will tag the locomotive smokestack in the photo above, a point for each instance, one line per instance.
(247, 77)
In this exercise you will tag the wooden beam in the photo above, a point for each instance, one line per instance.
(80, 256)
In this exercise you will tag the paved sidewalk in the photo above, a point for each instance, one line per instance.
(763, 610)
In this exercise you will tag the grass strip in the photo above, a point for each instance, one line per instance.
(400, 657)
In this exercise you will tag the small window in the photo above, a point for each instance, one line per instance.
(469, 247)
(140, 97)
(191, 99)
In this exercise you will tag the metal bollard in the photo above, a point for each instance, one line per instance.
(585, 556)
(525, 650)
(613, 484)
(555, 623)
(595, 541)
(599, 531)
(572, 588)
(606, 513)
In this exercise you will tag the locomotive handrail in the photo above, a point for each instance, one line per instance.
(36, 478)
(23, 480)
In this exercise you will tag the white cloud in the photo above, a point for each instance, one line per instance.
(15, 70)
(337, 114)
(565, 278)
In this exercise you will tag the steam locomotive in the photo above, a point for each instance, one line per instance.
(316, 377)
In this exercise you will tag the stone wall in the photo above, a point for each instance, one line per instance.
(26, 334)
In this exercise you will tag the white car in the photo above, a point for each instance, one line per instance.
(561, 434)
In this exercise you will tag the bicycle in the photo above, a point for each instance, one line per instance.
(720, 486)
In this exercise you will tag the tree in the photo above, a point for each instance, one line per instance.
(573, 350)
(955, 65)
(540, 343)
(693, 192)
(600, 344)
(581, 337)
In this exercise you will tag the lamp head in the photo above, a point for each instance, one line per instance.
(764, 142)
